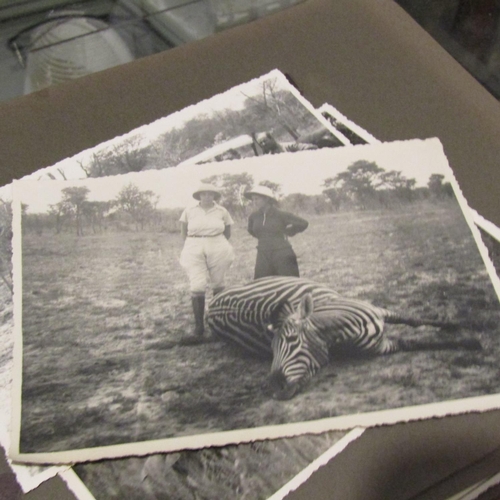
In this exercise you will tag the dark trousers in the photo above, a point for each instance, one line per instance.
(281, 262)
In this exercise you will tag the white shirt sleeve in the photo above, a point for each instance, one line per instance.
(228, 221)
(183, 217)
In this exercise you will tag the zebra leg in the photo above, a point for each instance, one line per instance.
(445, 326)
(384, 346)
(398, 319)
(388, 346)
(417, 345)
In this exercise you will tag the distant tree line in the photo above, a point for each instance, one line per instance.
(131, 210)
(362, 186)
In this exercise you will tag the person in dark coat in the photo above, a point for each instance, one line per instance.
(272, 227)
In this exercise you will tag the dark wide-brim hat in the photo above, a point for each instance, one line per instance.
(261, 191)
(207, 188)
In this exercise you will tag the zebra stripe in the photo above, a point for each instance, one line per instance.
(241, 314)
(308, 320)
(352, 321)
(303, 340)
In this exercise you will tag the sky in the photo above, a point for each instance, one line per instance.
(302, 172)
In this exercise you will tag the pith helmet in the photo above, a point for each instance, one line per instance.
(207, 188)
(261, 191)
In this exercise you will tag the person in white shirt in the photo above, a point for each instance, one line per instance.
(207, 253)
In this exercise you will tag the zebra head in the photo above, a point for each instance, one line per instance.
(298, 349)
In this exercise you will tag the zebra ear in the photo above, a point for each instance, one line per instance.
(306, 306)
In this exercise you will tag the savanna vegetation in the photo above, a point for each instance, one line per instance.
(270, 110)
(104, 317)
(362, 186)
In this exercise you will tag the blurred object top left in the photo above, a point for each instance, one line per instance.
(47, 42)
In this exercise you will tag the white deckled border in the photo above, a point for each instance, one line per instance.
(473, 492)
(30, 477)
(486, 225)
(322, 460)
(338, 116)
(76, 485)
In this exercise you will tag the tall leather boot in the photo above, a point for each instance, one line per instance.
(198, 302)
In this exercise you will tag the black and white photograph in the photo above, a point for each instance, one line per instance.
(262, 470)
(338, 287)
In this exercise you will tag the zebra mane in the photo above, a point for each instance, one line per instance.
(280, 313)
(284, 309)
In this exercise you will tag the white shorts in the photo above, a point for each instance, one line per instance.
(204, 258)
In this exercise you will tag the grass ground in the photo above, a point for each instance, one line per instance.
(103, 315)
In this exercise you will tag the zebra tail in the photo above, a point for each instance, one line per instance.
(399, 319)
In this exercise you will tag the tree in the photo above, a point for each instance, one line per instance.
(399, 187)
(336, 197)
(359, 181)
(302, 203)
(439, 189)
(139, 205)
(435, 184)
(174, 146)
(273, 186)
(273, 101)
(95, 212)
(74, 199)
(97, 165)
(60, 213)
(232, 187)
(130, 154)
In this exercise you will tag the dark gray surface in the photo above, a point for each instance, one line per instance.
(404, 460)
(372, 62)
(469, 31)
(477, 473)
